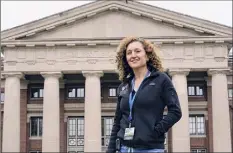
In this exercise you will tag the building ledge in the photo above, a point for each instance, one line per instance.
(108, 106)
(197, 136)
(35, 138)
(34, 107)
(198, 105)
(74, 106)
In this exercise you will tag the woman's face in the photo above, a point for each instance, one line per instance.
(136, 55)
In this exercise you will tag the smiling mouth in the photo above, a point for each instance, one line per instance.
(133, 61)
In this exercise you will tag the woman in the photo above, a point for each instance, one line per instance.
(139, 125)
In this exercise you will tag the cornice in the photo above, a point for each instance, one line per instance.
(114, 41)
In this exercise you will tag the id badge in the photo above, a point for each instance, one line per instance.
(129, 133)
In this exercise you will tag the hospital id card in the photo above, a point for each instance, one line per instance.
(129, 133)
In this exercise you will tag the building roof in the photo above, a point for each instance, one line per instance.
(134, 7)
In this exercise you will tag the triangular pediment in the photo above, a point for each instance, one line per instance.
(115, 19)
(114, 24)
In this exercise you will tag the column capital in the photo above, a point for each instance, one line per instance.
(178, 71)
(51, 74)
(92, 73)
(212, 72)
(7, 74)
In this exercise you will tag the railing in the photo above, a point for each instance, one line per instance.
(75, 144)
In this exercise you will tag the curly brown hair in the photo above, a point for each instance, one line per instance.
(152, 52)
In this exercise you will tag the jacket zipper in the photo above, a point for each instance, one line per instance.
(143, 82)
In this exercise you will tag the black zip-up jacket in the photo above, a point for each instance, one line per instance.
(155, 93)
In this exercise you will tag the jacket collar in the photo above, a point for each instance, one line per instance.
(154, 73)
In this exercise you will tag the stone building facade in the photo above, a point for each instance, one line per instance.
(59, 78)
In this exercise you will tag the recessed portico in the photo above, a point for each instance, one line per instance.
(69, 65)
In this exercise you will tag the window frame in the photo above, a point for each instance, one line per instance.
(38, 87)
(201, 84)
(196, 125)
(109, 89)
(38, 126)
(103, 129)
(76, 127)
(112, 87)
(76, 87)
(195, 90)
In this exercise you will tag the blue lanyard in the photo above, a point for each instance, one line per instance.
(131, 99)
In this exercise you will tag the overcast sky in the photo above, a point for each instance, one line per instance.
(14, 13)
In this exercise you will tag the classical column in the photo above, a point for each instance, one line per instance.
(11, 120)
(220, 111)
(51, 112)
(92, 114)
(180, 131)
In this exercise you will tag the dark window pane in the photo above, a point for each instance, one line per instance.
(102, 126)
(34, 93)
(40, 126)
(37, 92)
(34, 124)
(71, 92)
(102, 91)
